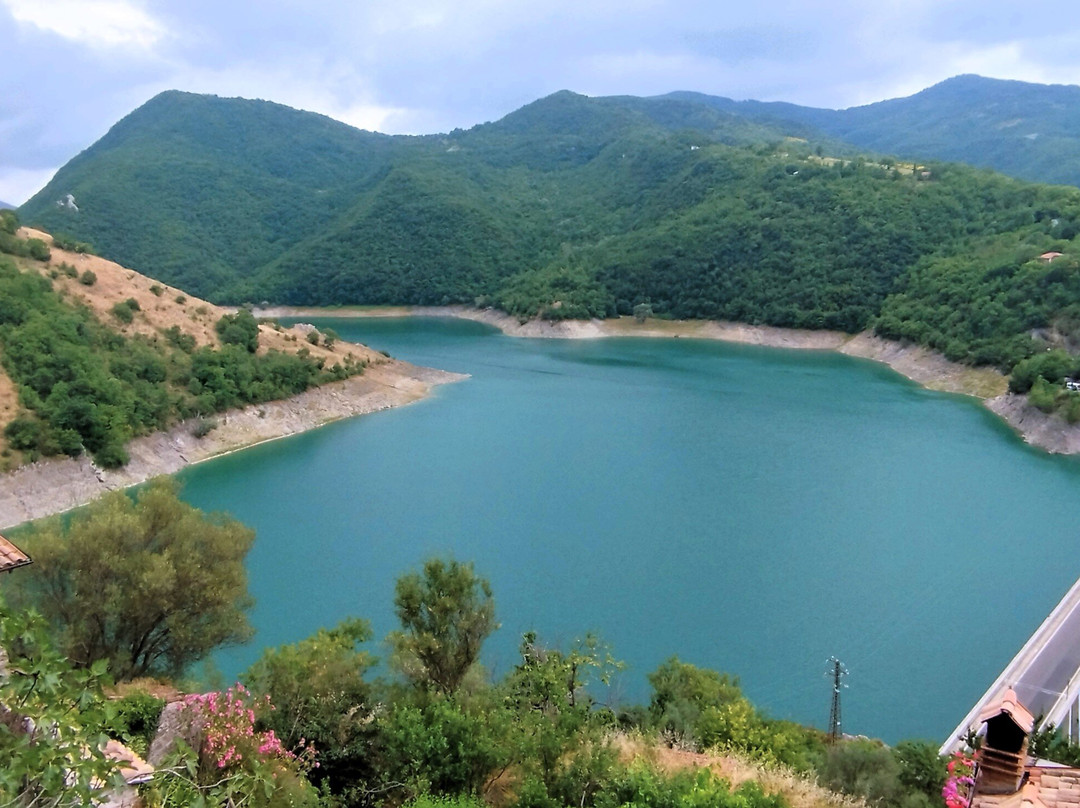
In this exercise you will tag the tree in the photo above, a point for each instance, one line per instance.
(150, 585)
(320, 696)
(446, 613)
(239, 329)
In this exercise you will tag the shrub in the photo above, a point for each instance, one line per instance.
(136, 720)
(38, 249)
(88, 278)
(156, 290)
(65, 242)
(203, 427)
(124, 312)
(239, 329)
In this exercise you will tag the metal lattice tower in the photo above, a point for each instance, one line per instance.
(837, 671)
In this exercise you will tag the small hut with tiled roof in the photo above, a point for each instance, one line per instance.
(11, 556)
(1005, 776)
(1004, 751)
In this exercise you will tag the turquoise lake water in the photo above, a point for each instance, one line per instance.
(750, 510)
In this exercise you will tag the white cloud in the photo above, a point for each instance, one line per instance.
(19, 184)
(97, 23)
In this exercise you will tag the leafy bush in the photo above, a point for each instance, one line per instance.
(38, 249)
(136, 720)
(65, 242)
(43, 767)
(88, 278)
(239, 329)
(123, 311)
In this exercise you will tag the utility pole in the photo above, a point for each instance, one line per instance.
(837, 671)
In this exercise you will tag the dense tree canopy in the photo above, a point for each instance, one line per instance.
(150, 585)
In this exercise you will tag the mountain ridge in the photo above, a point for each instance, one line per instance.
(690, 207)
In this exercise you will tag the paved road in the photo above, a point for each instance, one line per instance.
(1044, 673)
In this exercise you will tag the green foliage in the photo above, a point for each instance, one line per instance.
(597, 780)
(88, 278)
(124, 311)
(65, 242)
(458, 801)
(85, 387)
(9, 222)
(555, 293)
(708, 709)
(551, 714)
(38, 249)
(922, 769)
(909, 776)
(439, 746)
(320, 696)
(57, 760)
(1050, 366)
(236, 764)
(577, 207)
(135, 720)
(239, 329)
(151, 586)
(1051, 744)
(446, 613)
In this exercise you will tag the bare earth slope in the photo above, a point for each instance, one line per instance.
(54, 485)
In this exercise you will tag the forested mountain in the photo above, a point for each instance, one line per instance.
(578, 207)
(1030, 131)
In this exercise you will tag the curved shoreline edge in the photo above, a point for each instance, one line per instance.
(56, 485)
(931, 370)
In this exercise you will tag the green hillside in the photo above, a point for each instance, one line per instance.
(79, 380)
(1029, 131)
(579, 207)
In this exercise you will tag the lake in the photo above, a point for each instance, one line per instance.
(748, 509)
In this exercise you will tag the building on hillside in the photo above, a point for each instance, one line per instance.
(11, 556)
(1050, 256)
(1006, 776)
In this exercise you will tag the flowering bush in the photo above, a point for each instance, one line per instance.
(236, 764)
(960, 782)
(229, 736)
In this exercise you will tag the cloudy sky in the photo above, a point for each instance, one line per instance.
(72, 68)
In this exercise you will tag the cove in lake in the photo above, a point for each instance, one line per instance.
(749, 509)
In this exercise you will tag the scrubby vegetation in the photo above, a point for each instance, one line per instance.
(84, 387)
(311, 724)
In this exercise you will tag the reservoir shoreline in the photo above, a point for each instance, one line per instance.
(931, 370)
(56, 485)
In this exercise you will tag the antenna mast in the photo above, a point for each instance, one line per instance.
(837, 671)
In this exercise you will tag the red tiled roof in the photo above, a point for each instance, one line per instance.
(11, 556)
(1047, 787)
(1011, 707)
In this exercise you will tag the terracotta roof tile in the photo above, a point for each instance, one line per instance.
(11, 556)
(1011, 707)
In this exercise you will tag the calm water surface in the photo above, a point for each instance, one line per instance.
(748, 509)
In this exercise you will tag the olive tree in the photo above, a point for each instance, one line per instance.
(150, 585)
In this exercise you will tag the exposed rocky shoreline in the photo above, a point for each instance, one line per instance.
(55, 485)
(931, 370)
